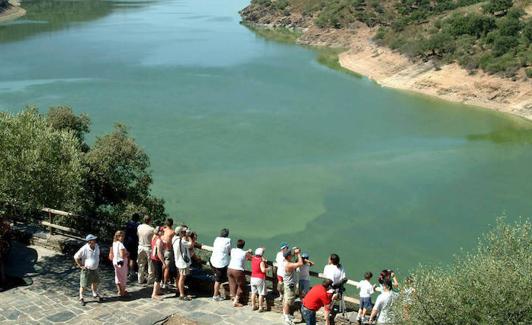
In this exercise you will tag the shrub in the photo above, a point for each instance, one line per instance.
(490, 285)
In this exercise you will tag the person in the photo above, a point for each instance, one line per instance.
(145, 234)
(87, 258)
(157, 259)
(334, 271)
(259, 267)
(366, 290)
(181, 244)
(235, 272)
(383, 304)
(194, 258)
(119, 256)
(389, 275)
(131, 243)
(289, 282)
(304, 275)
(319, 296)
(279, 261)
(219, 261)
(169, 261)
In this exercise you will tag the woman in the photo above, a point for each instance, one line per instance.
(181, 245)
(157, 259)
(120, 262)
(258, 279)
(235, 272)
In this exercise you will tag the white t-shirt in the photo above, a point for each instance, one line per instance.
(304, 272)
(145, 233)
(334, 273)
(382, 304)
(238, 259)
(181, 250)
(221, 251)
(366, 288)
(117, 246)
(90, 258)
(279, 259)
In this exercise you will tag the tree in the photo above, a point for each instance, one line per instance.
(41, 166)
(63, 118)
(119, 177)
(490, 285)
(498, 7)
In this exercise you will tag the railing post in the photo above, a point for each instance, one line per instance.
(51, 229)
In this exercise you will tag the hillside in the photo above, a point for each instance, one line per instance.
(494, 36)
(468, 51)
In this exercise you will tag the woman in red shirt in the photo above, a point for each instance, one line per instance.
(258, 279)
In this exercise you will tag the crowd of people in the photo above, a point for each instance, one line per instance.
(163, 256)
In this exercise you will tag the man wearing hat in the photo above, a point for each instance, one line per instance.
(289, 282)
(279, 261)
(88, 259)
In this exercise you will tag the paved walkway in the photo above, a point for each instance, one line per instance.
(52, 298)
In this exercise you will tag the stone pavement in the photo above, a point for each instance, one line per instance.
(52, 298)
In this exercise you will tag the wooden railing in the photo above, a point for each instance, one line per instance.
(77, 234)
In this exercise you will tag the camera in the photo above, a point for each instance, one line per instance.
(120, 263)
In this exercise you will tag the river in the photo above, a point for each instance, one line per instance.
(256, 136)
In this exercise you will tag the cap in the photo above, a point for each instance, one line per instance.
(259, 251)
(180, 229)
(90, 237)
(305, 256)
(284, 245)
(287, 253)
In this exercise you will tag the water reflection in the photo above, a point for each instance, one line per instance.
(52, 15)
(507, 135)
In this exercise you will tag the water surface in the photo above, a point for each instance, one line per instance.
(258, 137)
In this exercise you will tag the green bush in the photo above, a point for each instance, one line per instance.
(490, 285)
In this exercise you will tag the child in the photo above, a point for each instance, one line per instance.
(304, 276)
(366, 289)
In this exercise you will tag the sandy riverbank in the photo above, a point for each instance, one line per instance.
(449, 82)
(12, 12)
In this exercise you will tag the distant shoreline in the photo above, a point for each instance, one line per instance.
(12, 12)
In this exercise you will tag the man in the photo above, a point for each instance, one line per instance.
(168, 253)
(220, 261)
(182, 242)
(289, 283)
(145, 234)
(279, 260)
(131, 242)
(319, 296)
(334, 271)
(381, 310)
(88, 259)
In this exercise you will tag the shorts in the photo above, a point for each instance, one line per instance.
(220, 274)
(168, 258)
(289, 293)
(185, 271)
(258, 285)
(304, 286)
(132, 249)
(88, 277)
(365, 303)
(157, 270)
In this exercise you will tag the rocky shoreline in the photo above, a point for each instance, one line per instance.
(11, 11)
(391, 69)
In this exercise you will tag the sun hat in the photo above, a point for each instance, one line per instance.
(284, 245)
(287, 253)
(259, 251)
(90, 237)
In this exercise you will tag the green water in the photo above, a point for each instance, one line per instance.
(259, 137)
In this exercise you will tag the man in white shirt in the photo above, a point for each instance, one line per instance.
(279, 261)
(334, 271)
(383, 305)
(181, 243)
(145, 234)
(88, 259)
(220, 260)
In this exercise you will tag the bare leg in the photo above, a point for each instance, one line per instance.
(81, 292)
(181, 285)
(156, 290)
(216, 288)
(253, 300)
(94, 288)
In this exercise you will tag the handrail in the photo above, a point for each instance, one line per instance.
(207, 248)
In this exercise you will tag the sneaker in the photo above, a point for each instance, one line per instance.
(163, 286)
(185, 298)
(98, 298)
(217, 298)
(82, 302)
